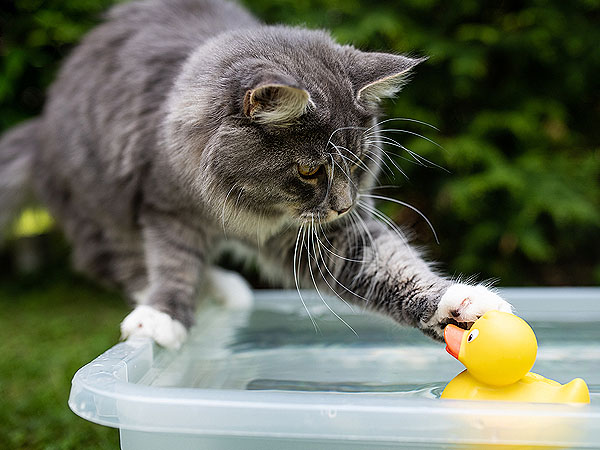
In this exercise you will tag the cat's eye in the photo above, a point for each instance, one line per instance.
(473, 334)
(306, 171)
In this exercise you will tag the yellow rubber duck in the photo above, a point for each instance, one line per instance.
(498, 352)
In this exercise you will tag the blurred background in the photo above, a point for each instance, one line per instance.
(513, 87)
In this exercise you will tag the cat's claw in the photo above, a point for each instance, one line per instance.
(463, 304)
(146, 321)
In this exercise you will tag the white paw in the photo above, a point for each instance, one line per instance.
(465, 304)
(230, 288)
(145, 321)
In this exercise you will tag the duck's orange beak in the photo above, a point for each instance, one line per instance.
(453, 337)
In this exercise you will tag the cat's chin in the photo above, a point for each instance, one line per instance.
(248, 226)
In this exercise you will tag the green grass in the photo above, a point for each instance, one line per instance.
(48, 329)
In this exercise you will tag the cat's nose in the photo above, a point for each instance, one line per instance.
(341, 211)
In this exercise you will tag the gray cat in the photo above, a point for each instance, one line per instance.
(180, 126)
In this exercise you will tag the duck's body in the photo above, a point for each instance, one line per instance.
(531, 388)
(498, 352)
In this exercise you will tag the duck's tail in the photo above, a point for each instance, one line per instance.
(576, 391)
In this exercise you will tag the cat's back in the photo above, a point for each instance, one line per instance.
(140, 47)
(103, 112)
(190, 21)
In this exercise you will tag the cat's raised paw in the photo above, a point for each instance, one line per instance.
(146, 321)
(463, 304)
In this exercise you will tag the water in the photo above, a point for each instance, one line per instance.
(433, 390)
(264, 379)
(276, 348)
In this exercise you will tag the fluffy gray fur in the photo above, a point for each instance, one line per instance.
(150, 155)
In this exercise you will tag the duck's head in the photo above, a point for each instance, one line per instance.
(499, 349)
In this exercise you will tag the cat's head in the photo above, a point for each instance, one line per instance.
(276, 125)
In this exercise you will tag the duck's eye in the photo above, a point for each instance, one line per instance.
(308, 171)
(473, 334)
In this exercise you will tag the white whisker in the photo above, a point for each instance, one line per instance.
(301, 230)
(323, 275)
(418, 158)
(359, 161)
(237, 200)
(352, 216)
(342, 285)
(344, 128)
(341, 257)
(382, 159)
(368, 154)
(331, 245)
(389, 141)
(395, 143)
(224, 206)
(336, 255)
(330, 176)
(315, 283)
(385, 219)
(381, 197)
(399, 130)
(389, 154)
(345, 174)
(369, 235)
(366, 167)
(405, 119)
(373, 247)
(258, 240)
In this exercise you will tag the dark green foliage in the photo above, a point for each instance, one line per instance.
(36, 36)
(515, 92)
(512, 86)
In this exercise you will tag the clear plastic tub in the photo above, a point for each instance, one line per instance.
(265, 379)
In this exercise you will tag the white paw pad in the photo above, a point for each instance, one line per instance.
(465, 304)
(145, 321)
(230, 288)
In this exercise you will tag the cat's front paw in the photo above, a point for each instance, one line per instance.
(463, 304)
(146, 321)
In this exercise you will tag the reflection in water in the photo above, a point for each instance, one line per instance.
(274, 349)
(432, 390)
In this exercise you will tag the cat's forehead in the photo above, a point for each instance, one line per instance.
(339, 125)
(310, 145)
(334, 99)
(320, 126)
(317, 64)
(336, 108)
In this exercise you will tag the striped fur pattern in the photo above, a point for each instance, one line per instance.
(177, 128)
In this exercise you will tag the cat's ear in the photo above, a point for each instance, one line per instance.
(380, 75)
(278, 101)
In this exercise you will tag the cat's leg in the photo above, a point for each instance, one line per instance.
(119, 262)
(375, 266)
(175, 259)
(147, 320)
(401, 284)
(111, 258)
